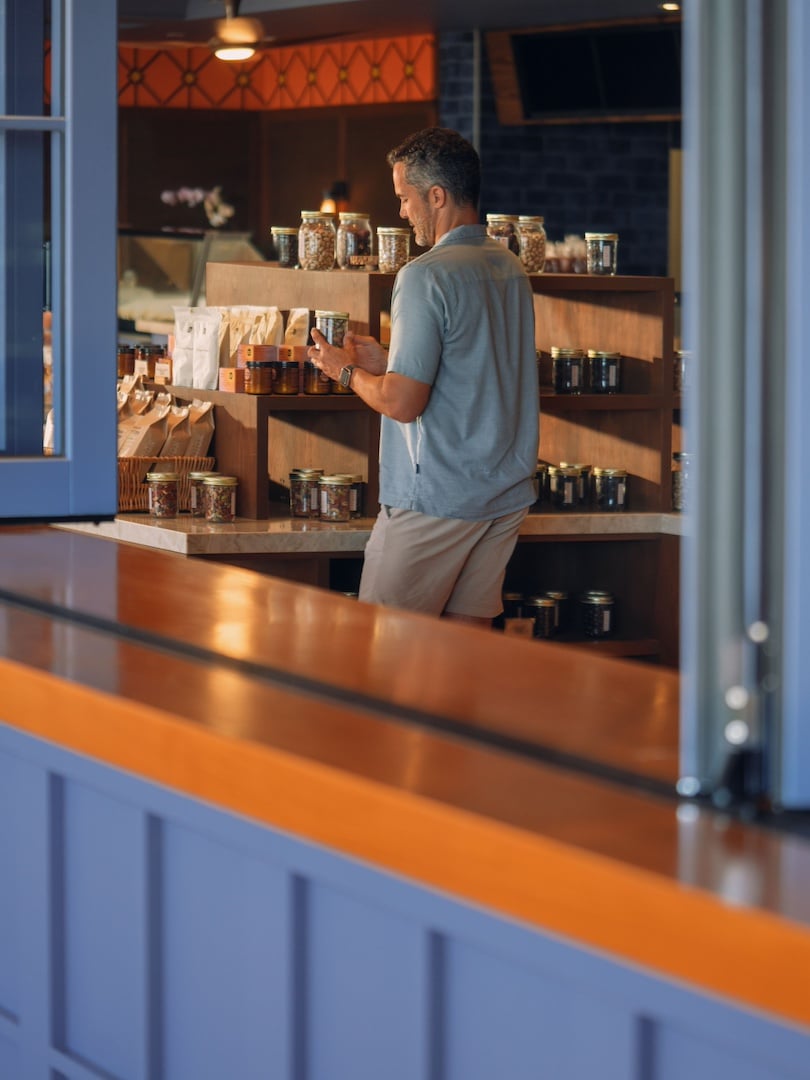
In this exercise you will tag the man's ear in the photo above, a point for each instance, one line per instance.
(437, 196)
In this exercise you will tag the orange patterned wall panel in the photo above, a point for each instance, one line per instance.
(369, 72)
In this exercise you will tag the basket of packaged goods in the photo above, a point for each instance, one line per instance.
(133, 491)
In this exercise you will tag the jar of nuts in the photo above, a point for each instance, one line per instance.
(353, 240)
(532, 243)
(336, 497)
(219, 498)
(393, 246)
(163, 489)
(316, 240)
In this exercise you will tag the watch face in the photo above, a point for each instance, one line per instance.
(345, 376)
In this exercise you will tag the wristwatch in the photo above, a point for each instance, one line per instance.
(345, 377)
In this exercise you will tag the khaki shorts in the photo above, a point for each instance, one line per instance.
(438, 565)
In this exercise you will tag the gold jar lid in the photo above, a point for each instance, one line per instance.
(162, 477)
(221, 481)
(340, 479)
(353, 478)
(597, 596)
(501, 217)
(331, 315)
(201, 475)
(559, 352)
(594, 353)
(597, 471)
(557, 594)
(575, 465)
(565, 470)
(541, 601)
(530, 219)
(386, 230)
(283, 230)
(601, 236)
(353, 215)
(317, 214)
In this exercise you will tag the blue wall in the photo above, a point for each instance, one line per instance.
(144, 936)
(580, 177)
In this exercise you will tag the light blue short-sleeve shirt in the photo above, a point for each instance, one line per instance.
(462, 320)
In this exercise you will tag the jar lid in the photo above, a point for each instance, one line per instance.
(545, 601)
(557, 594)
(353, 478)
(336, 478)
(305, 473)
(530, 219)
(386, 230)
(331, 315)
(317, 214)
(283, 230)
(596, 353)
(165, 477)
(221, 481)
(259, 364)
(575, 465)
(597, 594)
(542, 466)
(512, 596)
(556, 351)
(609, 472)
(601, 236)
(502, 217)
(201, 475)
(565, 470)
(125, 349)
(600, 599)
(353, 215)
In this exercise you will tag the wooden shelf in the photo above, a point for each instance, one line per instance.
(550, 401)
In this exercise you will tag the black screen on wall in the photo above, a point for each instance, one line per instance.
(621, 71)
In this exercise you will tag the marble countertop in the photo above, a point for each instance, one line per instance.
(284, 535)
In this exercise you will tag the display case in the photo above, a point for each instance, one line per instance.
(158, 271)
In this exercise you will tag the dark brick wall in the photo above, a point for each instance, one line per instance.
(581, 177)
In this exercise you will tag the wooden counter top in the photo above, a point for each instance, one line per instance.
(350, 725)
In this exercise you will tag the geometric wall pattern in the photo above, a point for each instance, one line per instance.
(374, 71)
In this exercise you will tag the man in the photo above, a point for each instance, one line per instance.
(457, 392)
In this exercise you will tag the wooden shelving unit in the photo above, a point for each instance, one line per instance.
(266, 436)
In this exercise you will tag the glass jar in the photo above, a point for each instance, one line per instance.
(543, 610)
(567, 368)
(541, 485)
(195, 495)
(336, 497)
(560, 598)
(583, 486)
(597, 613)
(163, 488)
(531, 243)
(563, 487)
(259, 377)
(604, 372)
(503, 228)
(126, 360)
(393, 248)
(286, 376)
(146, 356)
(681, 495)
(601, 252)
(305, 493)
(610, 489)
(219, 498)
(680, 370)
(285, 244)
(314, 380)
(316, 240)
(354, 240)
(512, 605)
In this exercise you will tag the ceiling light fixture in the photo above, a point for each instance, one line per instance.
(235, 39)
(234, 52)
(669, 5)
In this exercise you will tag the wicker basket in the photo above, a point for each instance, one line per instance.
(133, 493)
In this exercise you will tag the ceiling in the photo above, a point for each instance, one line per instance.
(290, 21)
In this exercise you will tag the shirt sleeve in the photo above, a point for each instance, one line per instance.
(417, 324)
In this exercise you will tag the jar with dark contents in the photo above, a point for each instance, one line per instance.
(604, 372)
(315, 381)
(601, 252)
(531, 243)
(567, 369)
(219, 498)
(163, 488)
(393, 248)
(305, 498)
(563, 487)
(354, 240)
(286, 376)
(336, 497)
(503, 228)
(561, 618)
(610, 489)
(126, 360)
(195, 493)
(583, 486)
(355, 493)
(681, 494)
(316, 241)
(259, 377)
(541, 486)
(597, 613)
(543, 610)
(512, 604)
(285, 244)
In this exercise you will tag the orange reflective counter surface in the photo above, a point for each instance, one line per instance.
(351, 726)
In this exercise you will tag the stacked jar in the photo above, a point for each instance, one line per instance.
(354, 241)
(531, 243)
(316, 240)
